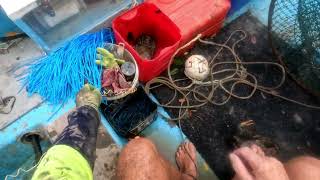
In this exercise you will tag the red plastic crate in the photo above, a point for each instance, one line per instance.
(195, 16)
(146, 18)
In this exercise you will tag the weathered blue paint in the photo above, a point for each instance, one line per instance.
(236, 5)
(26, 29)
(7, 25)
(13, 152)
(166, 136)
(258, 8)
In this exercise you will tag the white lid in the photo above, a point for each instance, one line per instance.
(17, 8)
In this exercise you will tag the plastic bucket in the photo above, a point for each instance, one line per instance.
(120, 52)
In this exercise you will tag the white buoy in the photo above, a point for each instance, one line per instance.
(196, 68)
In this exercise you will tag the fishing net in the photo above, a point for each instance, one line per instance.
(294, 31)
(130, 115)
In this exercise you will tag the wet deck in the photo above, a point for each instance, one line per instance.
(293, 128)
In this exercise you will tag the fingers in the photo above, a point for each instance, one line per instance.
(92, 88)
(86, 86)
(251, 163)
(250, 158)
(257, 150)
(96, 91)
(239, 167)
(89, 87)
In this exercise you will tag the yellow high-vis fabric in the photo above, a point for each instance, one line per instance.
(62, 162)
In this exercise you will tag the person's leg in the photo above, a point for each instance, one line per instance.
(141, 160)
(303, 168)
(74, 150)
(81, 132)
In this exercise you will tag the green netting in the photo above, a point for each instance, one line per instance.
(295, 33)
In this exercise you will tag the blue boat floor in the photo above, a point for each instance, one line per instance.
(167, 137)
(22, 52)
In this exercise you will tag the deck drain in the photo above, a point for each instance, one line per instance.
(34, 139)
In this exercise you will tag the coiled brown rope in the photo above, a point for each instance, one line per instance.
(236, 76)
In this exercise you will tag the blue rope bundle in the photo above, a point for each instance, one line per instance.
(60, 75)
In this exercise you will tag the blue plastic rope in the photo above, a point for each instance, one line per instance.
(60, 75)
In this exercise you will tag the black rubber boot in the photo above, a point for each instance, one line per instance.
(81, 132)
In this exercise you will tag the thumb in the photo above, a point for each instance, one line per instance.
(96, 91)
(240, 169)
(86, 86)
(91, 87)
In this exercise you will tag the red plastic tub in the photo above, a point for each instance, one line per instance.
(195, 16)
(146, 18)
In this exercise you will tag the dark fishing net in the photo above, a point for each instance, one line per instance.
(294, 29)
(130, 115)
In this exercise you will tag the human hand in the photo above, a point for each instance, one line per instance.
(250, 163)
(90, 96)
